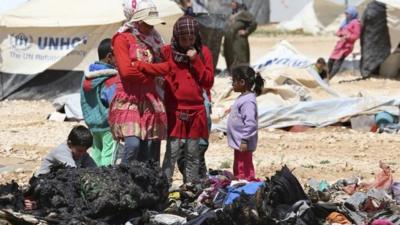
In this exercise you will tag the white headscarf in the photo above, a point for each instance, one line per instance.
(139, 10)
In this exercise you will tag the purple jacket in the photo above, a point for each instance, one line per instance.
(243, 122)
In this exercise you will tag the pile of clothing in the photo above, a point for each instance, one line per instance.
(138, 195)
(350, 201)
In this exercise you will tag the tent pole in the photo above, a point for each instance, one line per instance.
(2, 88)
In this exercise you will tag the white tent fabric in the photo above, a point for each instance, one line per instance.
(314, 17)
(320, 113)
(50, 13)
(6, 5)
(393, 18)
(296, 95)
(305, 20)
(282, 55)
(65, 37)
(392, 3)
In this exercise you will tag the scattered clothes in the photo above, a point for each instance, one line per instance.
(349, 186)
(114, 195)
(382, 222)
(248, 189)
(383, 180)
(396, 191)
(318, 190)
(11, 196)
(203, 219)
(285, 188)
(389, 214)
(337, 218)
(355, 201)
(167, 219)
(392, 128)
(376, 200)
(299, 213)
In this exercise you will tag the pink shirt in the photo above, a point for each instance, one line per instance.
(344, 46)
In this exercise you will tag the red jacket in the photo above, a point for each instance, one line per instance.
(183, 91)
(184, 85)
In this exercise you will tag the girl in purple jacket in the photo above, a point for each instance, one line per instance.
(243, 122)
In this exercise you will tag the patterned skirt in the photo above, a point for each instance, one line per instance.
(140, 115)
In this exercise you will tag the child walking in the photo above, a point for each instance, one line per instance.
(243, 122)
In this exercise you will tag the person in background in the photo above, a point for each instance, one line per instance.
(137, 114)
(97, 92)
(348, 33)
(189, 77)
(320, 67)
(243, 120)
(212, 18)
(236, 45)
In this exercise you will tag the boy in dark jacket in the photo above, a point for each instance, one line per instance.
(97, 92)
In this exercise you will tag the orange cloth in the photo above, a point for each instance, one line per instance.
(337, 218)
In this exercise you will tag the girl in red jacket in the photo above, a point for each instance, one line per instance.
(137, 114)
(188, 73)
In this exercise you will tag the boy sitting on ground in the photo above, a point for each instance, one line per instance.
(73, 153)
(320, 68)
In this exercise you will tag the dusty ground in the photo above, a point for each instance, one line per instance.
(326, 153)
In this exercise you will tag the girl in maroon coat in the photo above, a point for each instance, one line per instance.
(188, 72)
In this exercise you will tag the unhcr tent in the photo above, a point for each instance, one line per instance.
(314, 17)
(46, 44)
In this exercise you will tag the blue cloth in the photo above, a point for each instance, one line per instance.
(248, 189)
(353, 14)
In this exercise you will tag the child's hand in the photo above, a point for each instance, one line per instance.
(191, 53)
(242, 33)
(30, 205)
(243, 147)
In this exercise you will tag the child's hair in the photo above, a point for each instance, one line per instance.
(104, 48)
(80, 136)
(321, 61)
(253, 80)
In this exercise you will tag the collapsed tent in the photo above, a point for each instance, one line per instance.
(49, 44)
(380, 39)
(294, 94)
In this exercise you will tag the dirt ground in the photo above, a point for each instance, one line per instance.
(324, 153)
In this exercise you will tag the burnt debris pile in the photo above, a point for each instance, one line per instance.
(107, 195)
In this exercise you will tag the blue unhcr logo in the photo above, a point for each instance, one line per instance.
(21, 41)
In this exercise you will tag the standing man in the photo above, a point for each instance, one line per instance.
(236, 45)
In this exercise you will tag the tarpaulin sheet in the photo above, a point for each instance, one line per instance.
(320, 113)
